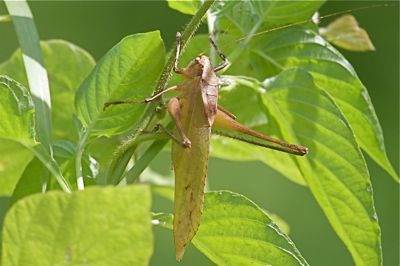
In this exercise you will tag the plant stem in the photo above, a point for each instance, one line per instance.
(41, 153)
(78, 161)
(144, 161)
(185, 38)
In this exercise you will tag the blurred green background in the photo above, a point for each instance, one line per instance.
(97, 25)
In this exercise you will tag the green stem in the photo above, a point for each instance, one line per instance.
(185, 38)
(123, 153)
(78, 161)
(41, 153)
(141, 164)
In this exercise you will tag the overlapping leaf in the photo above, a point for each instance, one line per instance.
(299, 47)
(334, 169)
(127, 72)
(12, 164)
(235, 231)
(93, 227)
(16, 107)
(186, 7)
(234, 99)
(16, 128)
(269, 53)
(67, 66)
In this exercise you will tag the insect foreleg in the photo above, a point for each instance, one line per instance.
(219, 52)
(155, 96)
(147, 100)
(174, 111)
(178, 54)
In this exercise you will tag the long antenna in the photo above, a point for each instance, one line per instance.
(310, 20)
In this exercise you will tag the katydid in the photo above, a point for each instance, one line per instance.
(195, 111)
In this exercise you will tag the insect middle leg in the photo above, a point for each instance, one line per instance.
(174, 111)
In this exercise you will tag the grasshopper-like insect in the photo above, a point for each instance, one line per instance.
(195, 110)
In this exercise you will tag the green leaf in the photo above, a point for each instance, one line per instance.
(345, 32)
(67, 66)
(127, 72)
(17, 112)
(33, 180)
(334, 169)
(12, 164)
(18, 124)
(234, 98)
(249, 17)
(299, 47)
(100, 226)
(235, 231)
(185, 6)
(5, 18)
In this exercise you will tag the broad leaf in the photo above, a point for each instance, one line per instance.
(100, 226)
(334, 169)
(18, 124)
(252, 16)
(234, 98)
(12, 164)
(300, 47)
(235, 231)
(67, 66)
(16, 107)
(33, 180)
(185, 6)
(345, 32)
(267, 54)
(127, 72)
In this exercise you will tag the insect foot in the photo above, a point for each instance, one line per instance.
(187, 143)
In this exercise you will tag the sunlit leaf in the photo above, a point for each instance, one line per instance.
(127, 72)
(345, 33)
(33, 180)
(16, 107)
(334, 169)
(234, 99)
(299, 47)
(67, 66)
(12, 164)
(100, 226)
(235, 231)
(185, 6)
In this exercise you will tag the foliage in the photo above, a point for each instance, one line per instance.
(295, 86)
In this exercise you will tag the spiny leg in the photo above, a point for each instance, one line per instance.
(178, 54)
(174, 111)
(147, 100)
(223, 120)
(221, 55)
(167, 132)
(155, 96)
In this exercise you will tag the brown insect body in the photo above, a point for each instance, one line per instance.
(198, 107)
(195, 110)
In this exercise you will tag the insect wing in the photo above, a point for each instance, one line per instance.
(190, 166)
